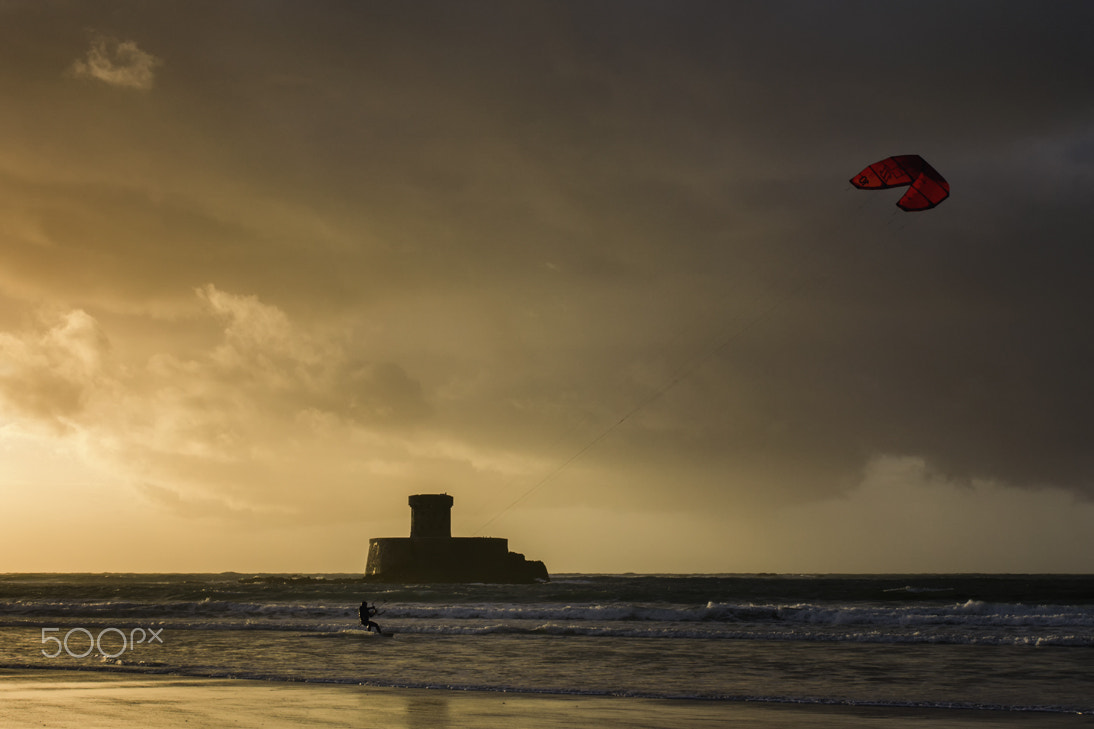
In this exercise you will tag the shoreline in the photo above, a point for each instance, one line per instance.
(89, 698)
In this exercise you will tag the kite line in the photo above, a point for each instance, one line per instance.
(694, 362)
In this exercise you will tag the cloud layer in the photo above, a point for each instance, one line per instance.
(50, 375)
(349, 253)
(117, 63)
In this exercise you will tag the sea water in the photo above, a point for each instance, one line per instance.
(1012, 643)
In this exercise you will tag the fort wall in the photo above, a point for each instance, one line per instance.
(431, 554)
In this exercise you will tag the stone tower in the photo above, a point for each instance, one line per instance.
(432, 554)
(431, 516)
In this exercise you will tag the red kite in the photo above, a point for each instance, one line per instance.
(928, 188)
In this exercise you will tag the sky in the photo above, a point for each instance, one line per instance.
(595, 269)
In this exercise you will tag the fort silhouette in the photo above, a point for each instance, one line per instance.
(432, 554)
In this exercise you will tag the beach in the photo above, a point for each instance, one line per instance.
(583, 650)
(89, 700)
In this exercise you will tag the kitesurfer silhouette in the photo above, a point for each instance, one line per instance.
(366, 612)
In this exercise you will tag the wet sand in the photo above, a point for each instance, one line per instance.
(88, 700)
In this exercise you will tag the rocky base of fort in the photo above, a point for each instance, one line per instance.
(449, 559)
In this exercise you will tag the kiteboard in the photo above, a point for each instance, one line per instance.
(370, 633)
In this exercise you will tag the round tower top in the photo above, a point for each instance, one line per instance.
(430, 501)
(431, 515)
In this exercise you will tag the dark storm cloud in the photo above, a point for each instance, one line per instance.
(545, 213)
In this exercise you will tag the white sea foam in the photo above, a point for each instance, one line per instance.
(968, 622)
(733, 638)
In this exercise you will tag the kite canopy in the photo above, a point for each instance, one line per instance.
(928, 188)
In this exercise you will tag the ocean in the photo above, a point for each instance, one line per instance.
(1016, 643)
